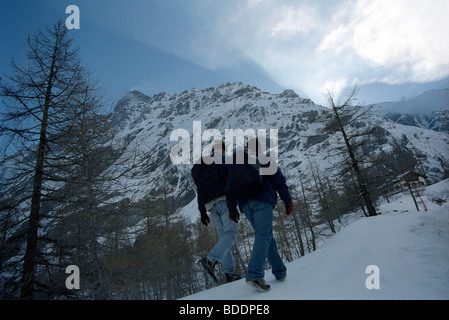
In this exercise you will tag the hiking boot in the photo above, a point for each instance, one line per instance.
(209, 267)
(259, 284)
(282, 279)
(232, 277)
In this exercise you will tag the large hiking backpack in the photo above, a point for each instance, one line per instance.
(208, 180)
(244, 180)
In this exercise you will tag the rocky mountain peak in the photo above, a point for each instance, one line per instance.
(131, 96)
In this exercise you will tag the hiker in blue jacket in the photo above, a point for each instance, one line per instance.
(210, 180)
(258, 209)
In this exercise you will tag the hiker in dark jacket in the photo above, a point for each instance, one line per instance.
(210, 182)
(258, 209)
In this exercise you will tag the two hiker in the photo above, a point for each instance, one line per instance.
(256, 201)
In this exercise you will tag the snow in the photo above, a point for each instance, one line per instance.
(190, 211)
(409, 247)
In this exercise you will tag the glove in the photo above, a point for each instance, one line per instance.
(205, 218)
(288, 207)
(234, 215)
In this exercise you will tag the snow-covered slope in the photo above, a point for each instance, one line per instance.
(410, 249)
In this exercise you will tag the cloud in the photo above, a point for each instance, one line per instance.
(407, 37)
(258, 30)
(310, 45)
(303, 45)
(288, 21)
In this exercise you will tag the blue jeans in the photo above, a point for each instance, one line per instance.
(227, 234)
(260, 215)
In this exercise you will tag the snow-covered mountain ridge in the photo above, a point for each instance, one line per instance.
(429, 110)
(144, 124)
(425, 103)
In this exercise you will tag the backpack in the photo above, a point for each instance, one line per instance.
(208, 180)
(244, 180)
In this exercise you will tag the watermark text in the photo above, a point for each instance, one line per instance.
(72, 21)
(256, 143)
(373, 280)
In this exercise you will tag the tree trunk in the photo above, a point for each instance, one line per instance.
(363, 189)
(29, 265)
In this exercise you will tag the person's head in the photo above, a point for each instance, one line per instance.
(218, 146)
(254, 145)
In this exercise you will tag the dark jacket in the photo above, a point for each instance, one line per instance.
(210, 181)
(272, 185)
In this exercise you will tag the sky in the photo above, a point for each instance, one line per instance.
(392, 49)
